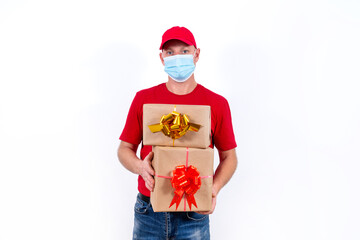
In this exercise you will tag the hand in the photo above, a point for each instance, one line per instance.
(147, 172)
(214, 194)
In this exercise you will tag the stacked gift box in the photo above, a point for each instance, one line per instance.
(183, 161)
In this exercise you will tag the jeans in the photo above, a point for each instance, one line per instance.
(152, 225)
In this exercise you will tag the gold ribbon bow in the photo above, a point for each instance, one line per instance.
(174, 125)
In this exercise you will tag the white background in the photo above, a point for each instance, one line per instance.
(289, 69)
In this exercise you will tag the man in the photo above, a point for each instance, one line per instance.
(179, 54)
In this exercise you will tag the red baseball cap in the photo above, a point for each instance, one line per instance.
(179, 33)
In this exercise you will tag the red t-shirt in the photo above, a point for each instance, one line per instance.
(222, 134)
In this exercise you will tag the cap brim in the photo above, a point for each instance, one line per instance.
(175, 38)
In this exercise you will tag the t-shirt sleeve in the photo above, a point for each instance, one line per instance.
(224, 138)
(132, 131)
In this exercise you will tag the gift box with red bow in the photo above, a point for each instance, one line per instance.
(183, 179)
(176, 125)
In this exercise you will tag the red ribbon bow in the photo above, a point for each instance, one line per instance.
(185, 180)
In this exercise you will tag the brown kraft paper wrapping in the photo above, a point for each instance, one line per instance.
(197, 114)
(165, 161)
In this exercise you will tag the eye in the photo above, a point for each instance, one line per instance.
(185, 51)
(169, 52)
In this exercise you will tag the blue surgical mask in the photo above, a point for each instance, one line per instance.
(180, 67)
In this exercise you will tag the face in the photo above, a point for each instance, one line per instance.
(175, 47)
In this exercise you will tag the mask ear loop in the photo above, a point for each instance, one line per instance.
(194, 55)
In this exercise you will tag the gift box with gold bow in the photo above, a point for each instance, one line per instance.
(176, 125)
(183, 179)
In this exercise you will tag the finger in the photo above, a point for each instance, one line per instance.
(214, 202)
(150, 170)
(149, 179)
(147, 165)
(148, 187)
(149, 157)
